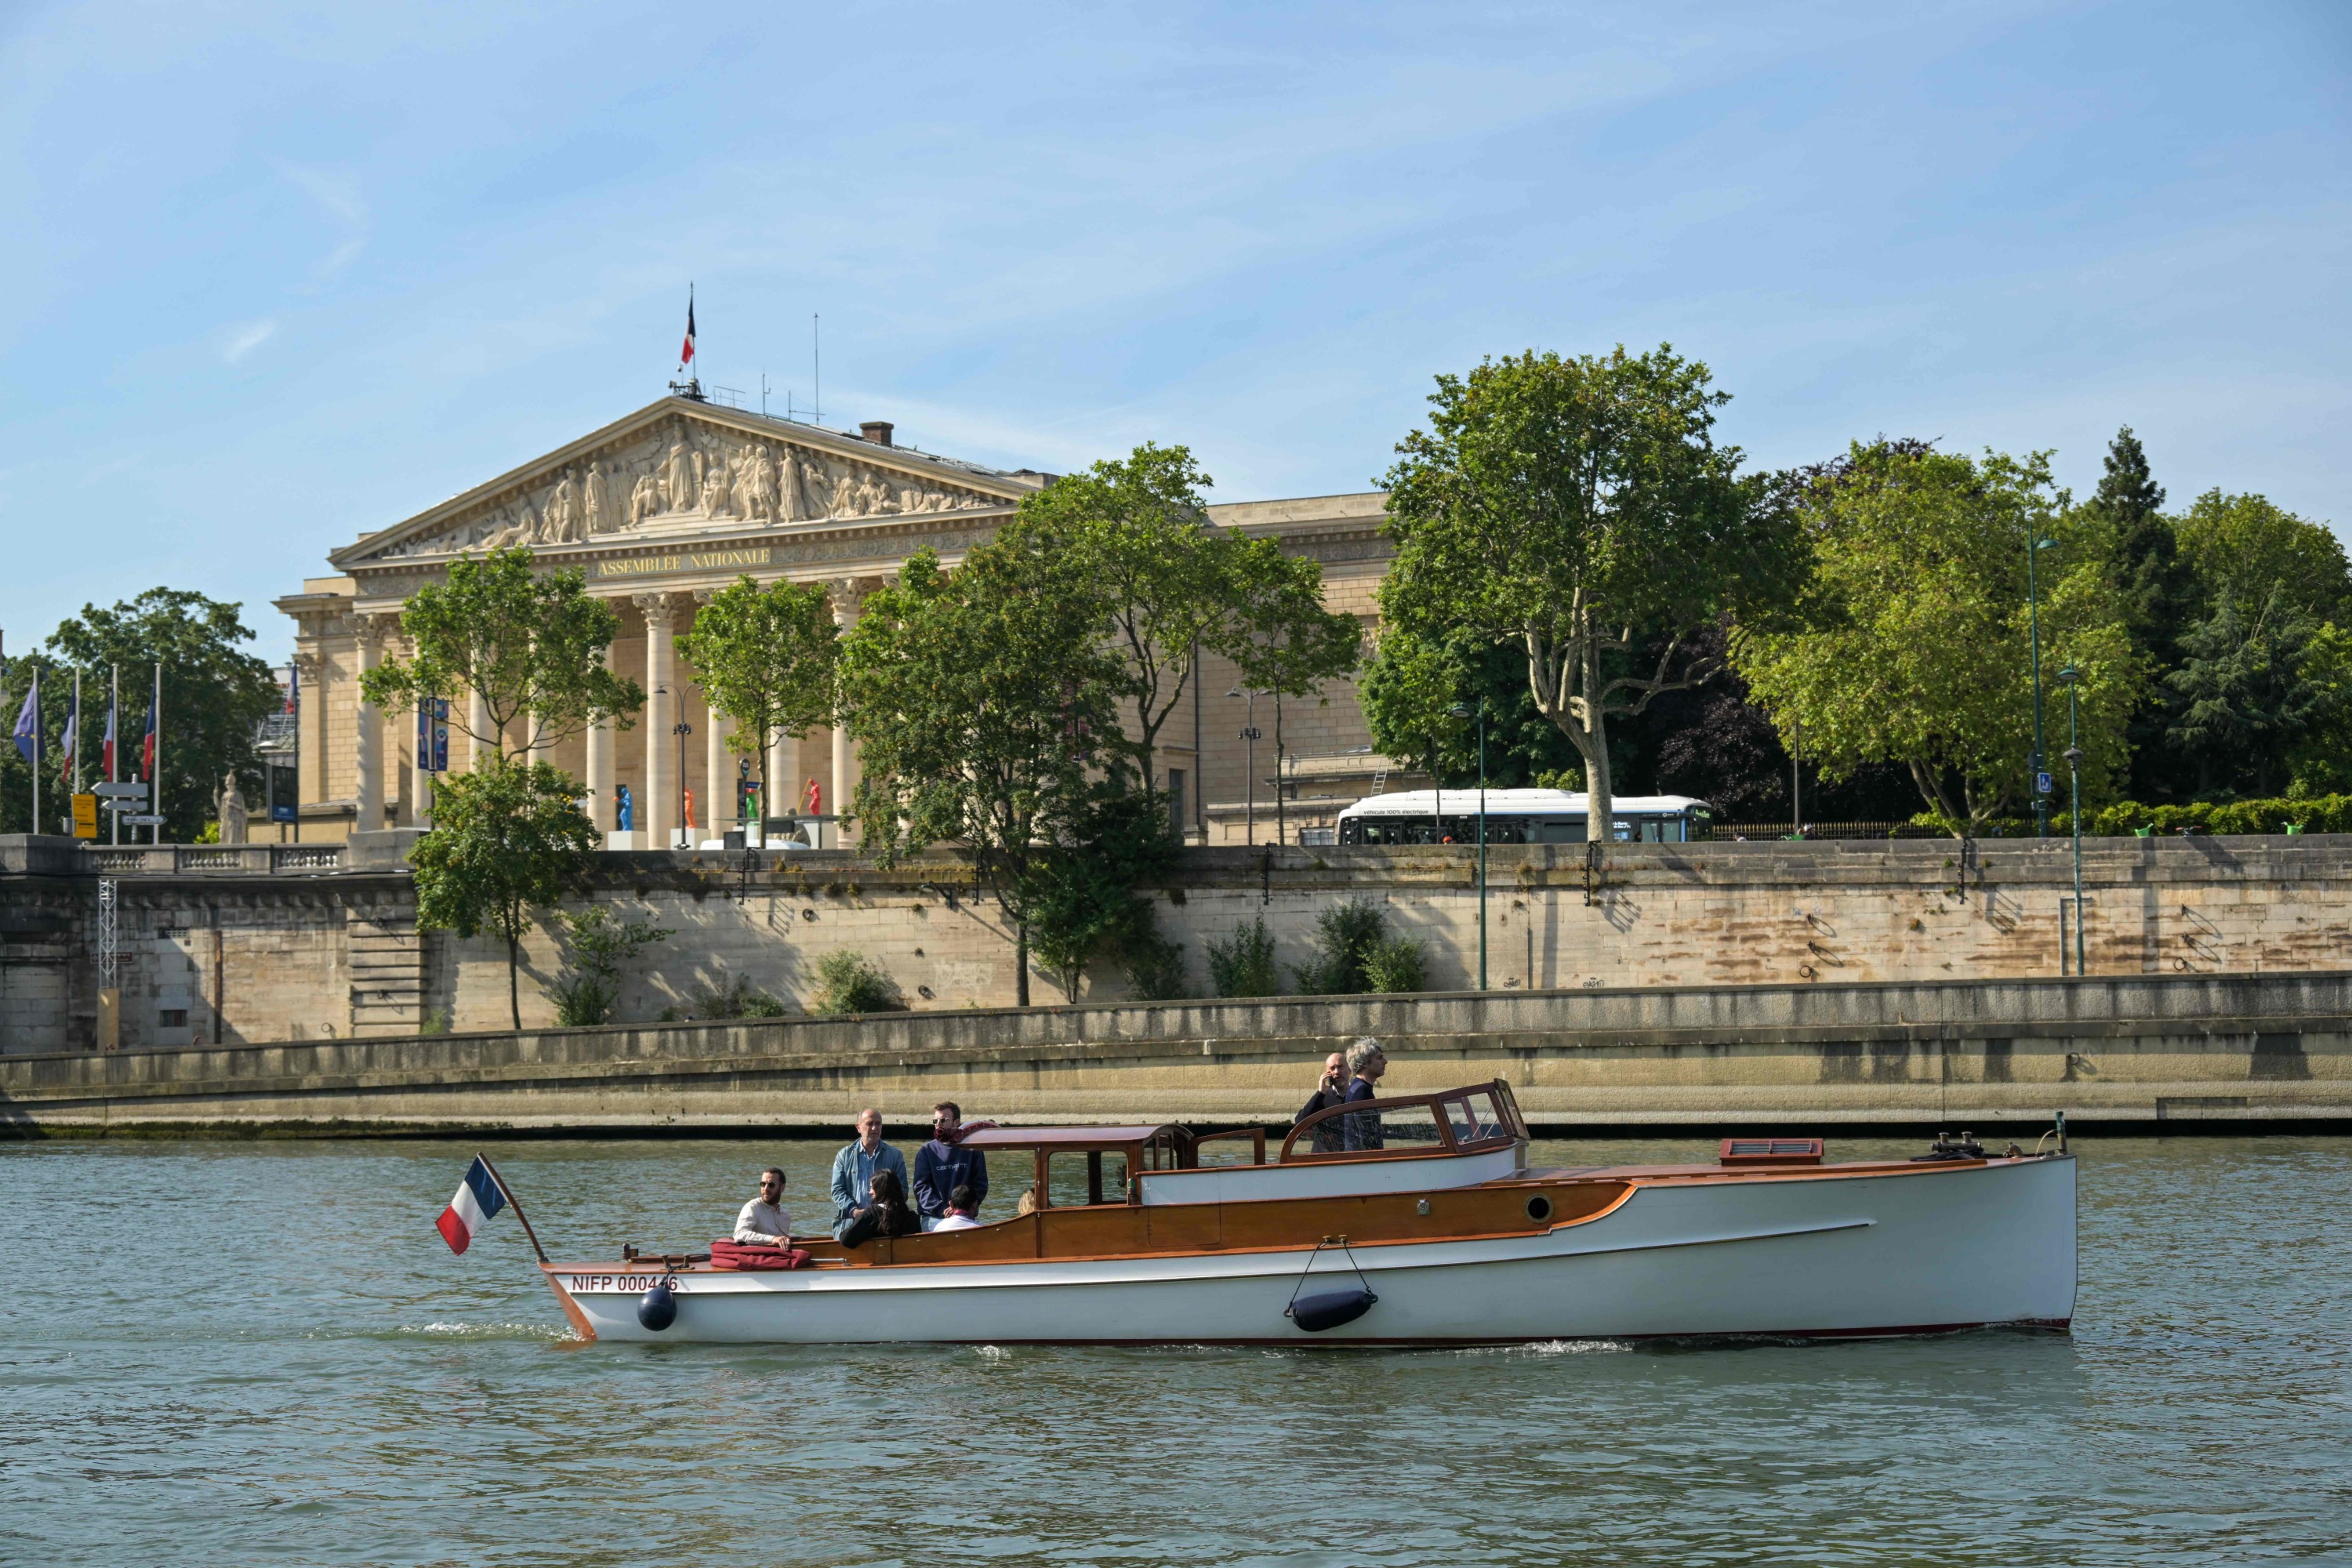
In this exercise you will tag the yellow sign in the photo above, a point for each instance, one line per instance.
(85, 816)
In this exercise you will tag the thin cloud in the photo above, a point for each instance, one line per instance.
(337, 198)
(243, 339)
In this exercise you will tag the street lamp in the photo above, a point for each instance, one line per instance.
(2073, 679)
(2034, 621)
(681, 730)
(1250, 734)
(1461, 710)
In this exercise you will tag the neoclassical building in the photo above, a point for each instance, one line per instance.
(664, 507)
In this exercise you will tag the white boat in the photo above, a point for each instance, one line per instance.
(1438, 1233)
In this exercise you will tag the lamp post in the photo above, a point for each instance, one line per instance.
(1249, 735)
(1462, 711)
(2034, 547)
(681, 730)
(2072, 679)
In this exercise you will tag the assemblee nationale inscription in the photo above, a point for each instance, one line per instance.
(688, 560)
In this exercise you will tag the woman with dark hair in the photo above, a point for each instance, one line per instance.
(888, 1214)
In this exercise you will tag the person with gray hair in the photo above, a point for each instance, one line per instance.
(1366, 1062)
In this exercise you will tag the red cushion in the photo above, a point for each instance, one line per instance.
(749, 1256)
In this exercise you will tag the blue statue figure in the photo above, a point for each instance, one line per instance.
(627, 806)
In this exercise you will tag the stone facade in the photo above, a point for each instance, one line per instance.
(680, 498)
(318, 954)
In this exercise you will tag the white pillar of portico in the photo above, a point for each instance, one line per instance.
(660, 806)
(368, 736)
(784, 777)
(599, 748)
(848, 603)
(481, 746)
(719, 812)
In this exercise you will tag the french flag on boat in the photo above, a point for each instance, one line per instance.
(479, 1197)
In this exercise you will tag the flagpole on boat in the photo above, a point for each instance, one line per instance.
(516, 1201)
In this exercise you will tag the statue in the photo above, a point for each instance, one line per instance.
(755, 486)
(645, 500)
(677, 479)
(624, 807)
(230, 808)
(597, 498)
(793, 503)
(714, 488)
(562, 526)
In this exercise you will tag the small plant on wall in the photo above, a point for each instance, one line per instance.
(1243, 965)
(596, 946)
(849, 981)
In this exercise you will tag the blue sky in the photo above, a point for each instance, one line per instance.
(270, 278)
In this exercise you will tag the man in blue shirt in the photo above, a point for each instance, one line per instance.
(854, 1168)
(1367, 1062)
(943, 1164)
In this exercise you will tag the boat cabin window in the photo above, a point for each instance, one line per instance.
(1080, 1177)
(1474, 1118)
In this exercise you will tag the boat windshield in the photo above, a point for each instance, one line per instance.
(1450, 1122)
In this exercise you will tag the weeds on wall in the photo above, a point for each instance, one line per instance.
(1243, 965)
(849, 981)
(596, 945)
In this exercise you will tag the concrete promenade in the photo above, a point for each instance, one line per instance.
(2190, 1050)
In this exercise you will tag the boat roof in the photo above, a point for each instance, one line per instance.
(1066, 1137)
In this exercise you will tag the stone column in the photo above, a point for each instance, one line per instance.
(784, 777)
(479, 750)
(599, 747)
(368, 738)
(309, 751)
(660, 805)
(848, 602)
(715, 807)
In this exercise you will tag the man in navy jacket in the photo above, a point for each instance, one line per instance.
(943, 1164)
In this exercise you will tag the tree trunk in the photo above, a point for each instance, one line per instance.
(514, 995)
(1592, 737)
(1281, 822)
(1021, 963)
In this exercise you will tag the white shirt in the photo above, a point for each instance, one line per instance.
(763, 1221)
(956, 1222)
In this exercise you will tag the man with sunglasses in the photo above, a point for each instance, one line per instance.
(763, 1220)
(945, 1163)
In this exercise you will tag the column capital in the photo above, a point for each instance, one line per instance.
(306, 666)
(375, 628)
(660, 609)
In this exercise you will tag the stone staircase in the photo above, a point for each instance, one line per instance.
(387, 959)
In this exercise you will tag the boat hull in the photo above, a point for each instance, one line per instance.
(1904, 1252)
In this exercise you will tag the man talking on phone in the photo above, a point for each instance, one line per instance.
(1332, 1090)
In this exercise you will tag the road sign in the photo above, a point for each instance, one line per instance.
(144, 820)
(121, 791)
(2042, 784)
(84, 807)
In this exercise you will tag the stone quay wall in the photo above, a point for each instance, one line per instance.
(264, 944)
(2118, 1052)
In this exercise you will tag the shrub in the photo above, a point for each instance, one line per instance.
(1155, 968)
(848, 982)
(736, 998)
(596, 945)
(1397, 963)
(1346, 932)
(1243, 965)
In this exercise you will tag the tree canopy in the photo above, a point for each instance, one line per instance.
(530, 645)
(1915, 645)
(768, 658)
(215, 695)
(1578, 510)
(505, 840)
(986, 704)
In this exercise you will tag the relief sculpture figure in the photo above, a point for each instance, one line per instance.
(562, 523)
(598, 506)
(755, 485)
(645, 500)
(677, 477)
(714, 488)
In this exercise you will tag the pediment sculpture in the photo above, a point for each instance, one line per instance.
(682, 474)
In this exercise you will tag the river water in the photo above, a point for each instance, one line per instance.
(252, 1353)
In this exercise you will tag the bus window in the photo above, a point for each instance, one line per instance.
(1568, 832)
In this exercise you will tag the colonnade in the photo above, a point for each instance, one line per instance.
(657, 813)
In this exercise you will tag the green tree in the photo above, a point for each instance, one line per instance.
(1914, 644)
(530, 645)
(767, 659)
(598, 944)
(1578, 510)
(2244, 548)
(1410, 688)
(215, 697)
(1171, 582)
(505, 841)
(2160, 598)
(986, 704)
(1081, 897)
(2250, 690)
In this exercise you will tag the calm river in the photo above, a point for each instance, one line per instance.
(250, 1352)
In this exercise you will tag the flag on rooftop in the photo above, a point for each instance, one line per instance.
(478, 1198)
(686, 355)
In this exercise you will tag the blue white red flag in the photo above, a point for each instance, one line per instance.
(147, 748)
(479, 1197)
(28, 723)
(71, 747)
(106, 752)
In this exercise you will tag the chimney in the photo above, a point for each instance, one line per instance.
(875, 430)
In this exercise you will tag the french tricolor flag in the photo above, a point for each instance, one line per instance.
(479, 1197)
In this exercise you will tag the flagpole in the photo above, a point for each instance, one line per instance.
(76, 727)
(38, 755)
(156, 763)
(508, 1191)
(113, 748)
